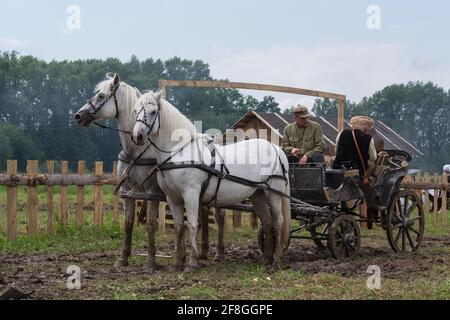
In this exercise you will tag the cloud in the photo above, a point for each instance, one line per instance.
(354, 69)
(8, 44)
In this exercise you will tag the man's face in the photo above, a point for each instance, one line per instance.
(301, 122)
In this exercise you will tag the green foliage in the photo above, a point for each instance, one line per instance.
(38, 101)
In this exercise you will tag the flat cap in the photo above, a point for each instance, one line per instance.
(301, 111)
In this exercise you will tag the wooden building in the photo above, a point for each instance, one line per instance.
(270, 126)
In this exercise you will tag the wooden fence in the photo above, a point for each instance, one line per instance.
(32, 178)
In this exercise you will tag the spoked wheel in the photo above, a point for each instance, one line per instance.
(405, 222)
(317, 232)
(344, 238)
(261, 240)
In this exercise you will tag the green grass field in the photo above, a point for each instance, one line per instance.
(38, 263)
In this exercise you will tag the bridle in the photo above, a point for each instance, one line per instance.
(145, 122)
(93, 109)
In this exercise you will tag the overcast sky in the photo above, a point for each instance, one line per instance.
(321, 45)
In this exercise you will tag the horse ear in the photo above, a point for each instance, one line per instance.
(158, 95)
(116, 79)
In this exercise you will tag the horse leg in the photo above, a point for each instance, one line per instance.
(192, 206)
(277, 219)
(219, 215)
(259, 202)
(204, 245)
(129, 206)
(178, 218)
(152, 213)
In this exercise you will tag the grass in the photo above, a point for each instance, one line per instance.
(236, 278)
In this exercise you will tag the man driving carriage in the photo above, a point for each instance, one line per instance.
(303, 140)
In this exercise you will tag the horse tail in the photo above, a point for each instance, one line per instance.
(286, 210)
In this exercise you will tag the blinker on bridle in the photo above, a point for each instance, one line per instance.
(149, 126)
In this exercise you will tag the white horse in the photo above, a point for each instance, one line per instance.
(254, 160)
(115, 99)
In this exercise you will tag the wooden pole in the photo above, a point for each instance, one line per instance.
(50, 205)
(11, 207)
(341, 114)
(435, 202)
(162, 218)
(115, 212)
(80, 195)
(444, 199)
(237, 219)
(64, 200)
(426, 178)
(32, 199)
(249, 86)
(98, 196)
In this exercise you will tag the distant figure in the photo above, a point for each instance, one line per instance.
(431, 195)
(303, 140)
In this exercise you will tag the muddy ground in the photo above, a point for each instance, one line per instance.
(43, 276)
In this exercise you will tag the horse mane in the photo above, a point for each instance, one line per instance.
(170, 117)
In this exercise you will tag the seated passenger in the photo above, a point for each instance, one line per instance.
(355, 148)
(303, 140)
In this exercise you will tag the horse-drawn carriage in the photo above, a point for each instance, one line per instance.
(200, 172)
(329, 199)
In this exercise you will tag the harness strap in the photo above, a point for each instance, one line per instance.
(138, 162)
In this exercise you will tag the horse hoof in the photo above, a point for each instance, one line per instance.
(203, 256)
(179, 267)
(191, 268)
(153, 267)
(120, 263)
(219, 258)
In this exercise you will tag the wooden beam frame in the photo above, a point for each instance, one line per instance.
(257, 86)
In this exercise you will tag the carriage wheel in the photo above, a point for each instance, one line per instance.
(405, 222)
(344, 238)
(261, 240)
(321, 244)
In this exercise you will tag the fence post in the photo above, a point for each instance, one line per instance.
(32, 199)
(253, 221)
(444, 199)
(426, 178)
(64, 200)
(50, 208)
(98, 195)
(80, 194)
(11, 207)
(237, 219)
(115, 211)
(162, 218)
(435, 201)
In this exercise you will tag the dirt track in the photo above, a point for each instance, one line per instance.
(45, 275)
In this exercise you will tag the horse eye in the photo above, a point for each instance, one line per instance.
(101, 96)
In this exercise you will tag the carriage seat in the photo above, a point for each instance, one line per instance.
(335, 177)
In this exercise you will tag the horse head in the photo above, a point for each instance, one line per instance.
(103, 105)
(147, 111)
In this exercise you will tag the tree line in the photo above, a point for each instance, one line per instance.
(38, 100)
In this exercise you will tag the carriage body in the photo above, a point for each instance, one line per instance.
(338, 193)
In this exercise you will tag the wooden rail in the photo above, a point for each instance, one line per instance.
(258, 86)
(31, 179)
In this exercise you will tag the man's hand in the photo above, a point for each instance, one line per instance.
(303, 160)
(295, 152)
